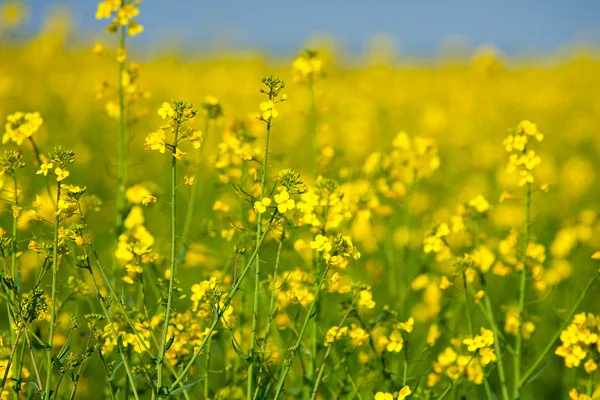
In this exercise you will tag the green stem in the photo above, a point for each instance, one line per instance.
(322, 368)
(191, 206)
(522, 287)
(271, 308)
(309, 315)
(454, 382)
(497, 349)
(10, 358)
(165, 330)
(207, 366)
(53, 301)
(312, 127)
(263, 184)
(114, 331)
(13, 265)
(228, 300)
(122, 143)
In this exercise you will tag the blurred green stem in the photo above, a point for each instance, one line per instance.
(522, 287)
(122, 144)
(191, 206)
(53, 301)
(263, 184)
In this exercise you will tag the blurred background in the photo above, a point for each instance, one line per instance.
(405, 28)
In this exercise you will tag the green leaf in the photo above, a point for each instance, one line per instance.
(186, 387)
(114, 371)
(239, 351)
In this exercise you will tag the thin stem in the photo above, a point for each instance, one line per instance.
(522, 287)
(122, 143)
(10, 358)
(263, 184)
(228, 300)
(309, 315)
(454, 382)
(80, 369)
(497, 348)
(32, 355)
(191, 206)
(207, 366)
(312, 126)
(271, 315)
(322, 368)
(115, 333)
(16, 275)
(53, 301)
(165, 330)
(352, 383)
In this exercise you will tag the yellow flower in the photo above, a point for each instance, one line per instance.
(487, 355)
(261, 206)
(16, 211)
(590, 366)
(121, 55)
(166, 110)
(178, 154)
(383, 396)
(61, 174)
(134, 28)
(284, 202)
(156, 141)
(596, 255)
(404, 392)
(408, 325)
(45, 168)
(268, 110)
(321, 243)
(148, 199)
(188, 180)
(445, 283)
(480, 204)
(98, 49)
(366, 299)
(393, 343)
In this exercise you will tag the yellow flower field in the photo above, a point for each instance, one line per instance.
(248, 227)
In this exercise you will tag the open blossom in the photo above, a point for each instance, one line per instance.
(21, 126)
(268, 110)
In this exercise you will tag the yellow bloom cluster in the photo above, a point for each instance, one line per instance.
(521, 158)
(409, 159)
(581, 341)
(336, 251)
(122, 13)
(307, 67)
(400, 395)
(21, 126)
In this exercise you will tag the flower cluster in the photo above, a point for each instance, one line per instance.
(21, 126)
(521, 158)
(178, 114)
(307, 67)
(336, 251)
(122, 14)
(581, 341)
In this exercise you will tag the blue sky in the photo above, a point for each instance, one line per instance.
(419, 27)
